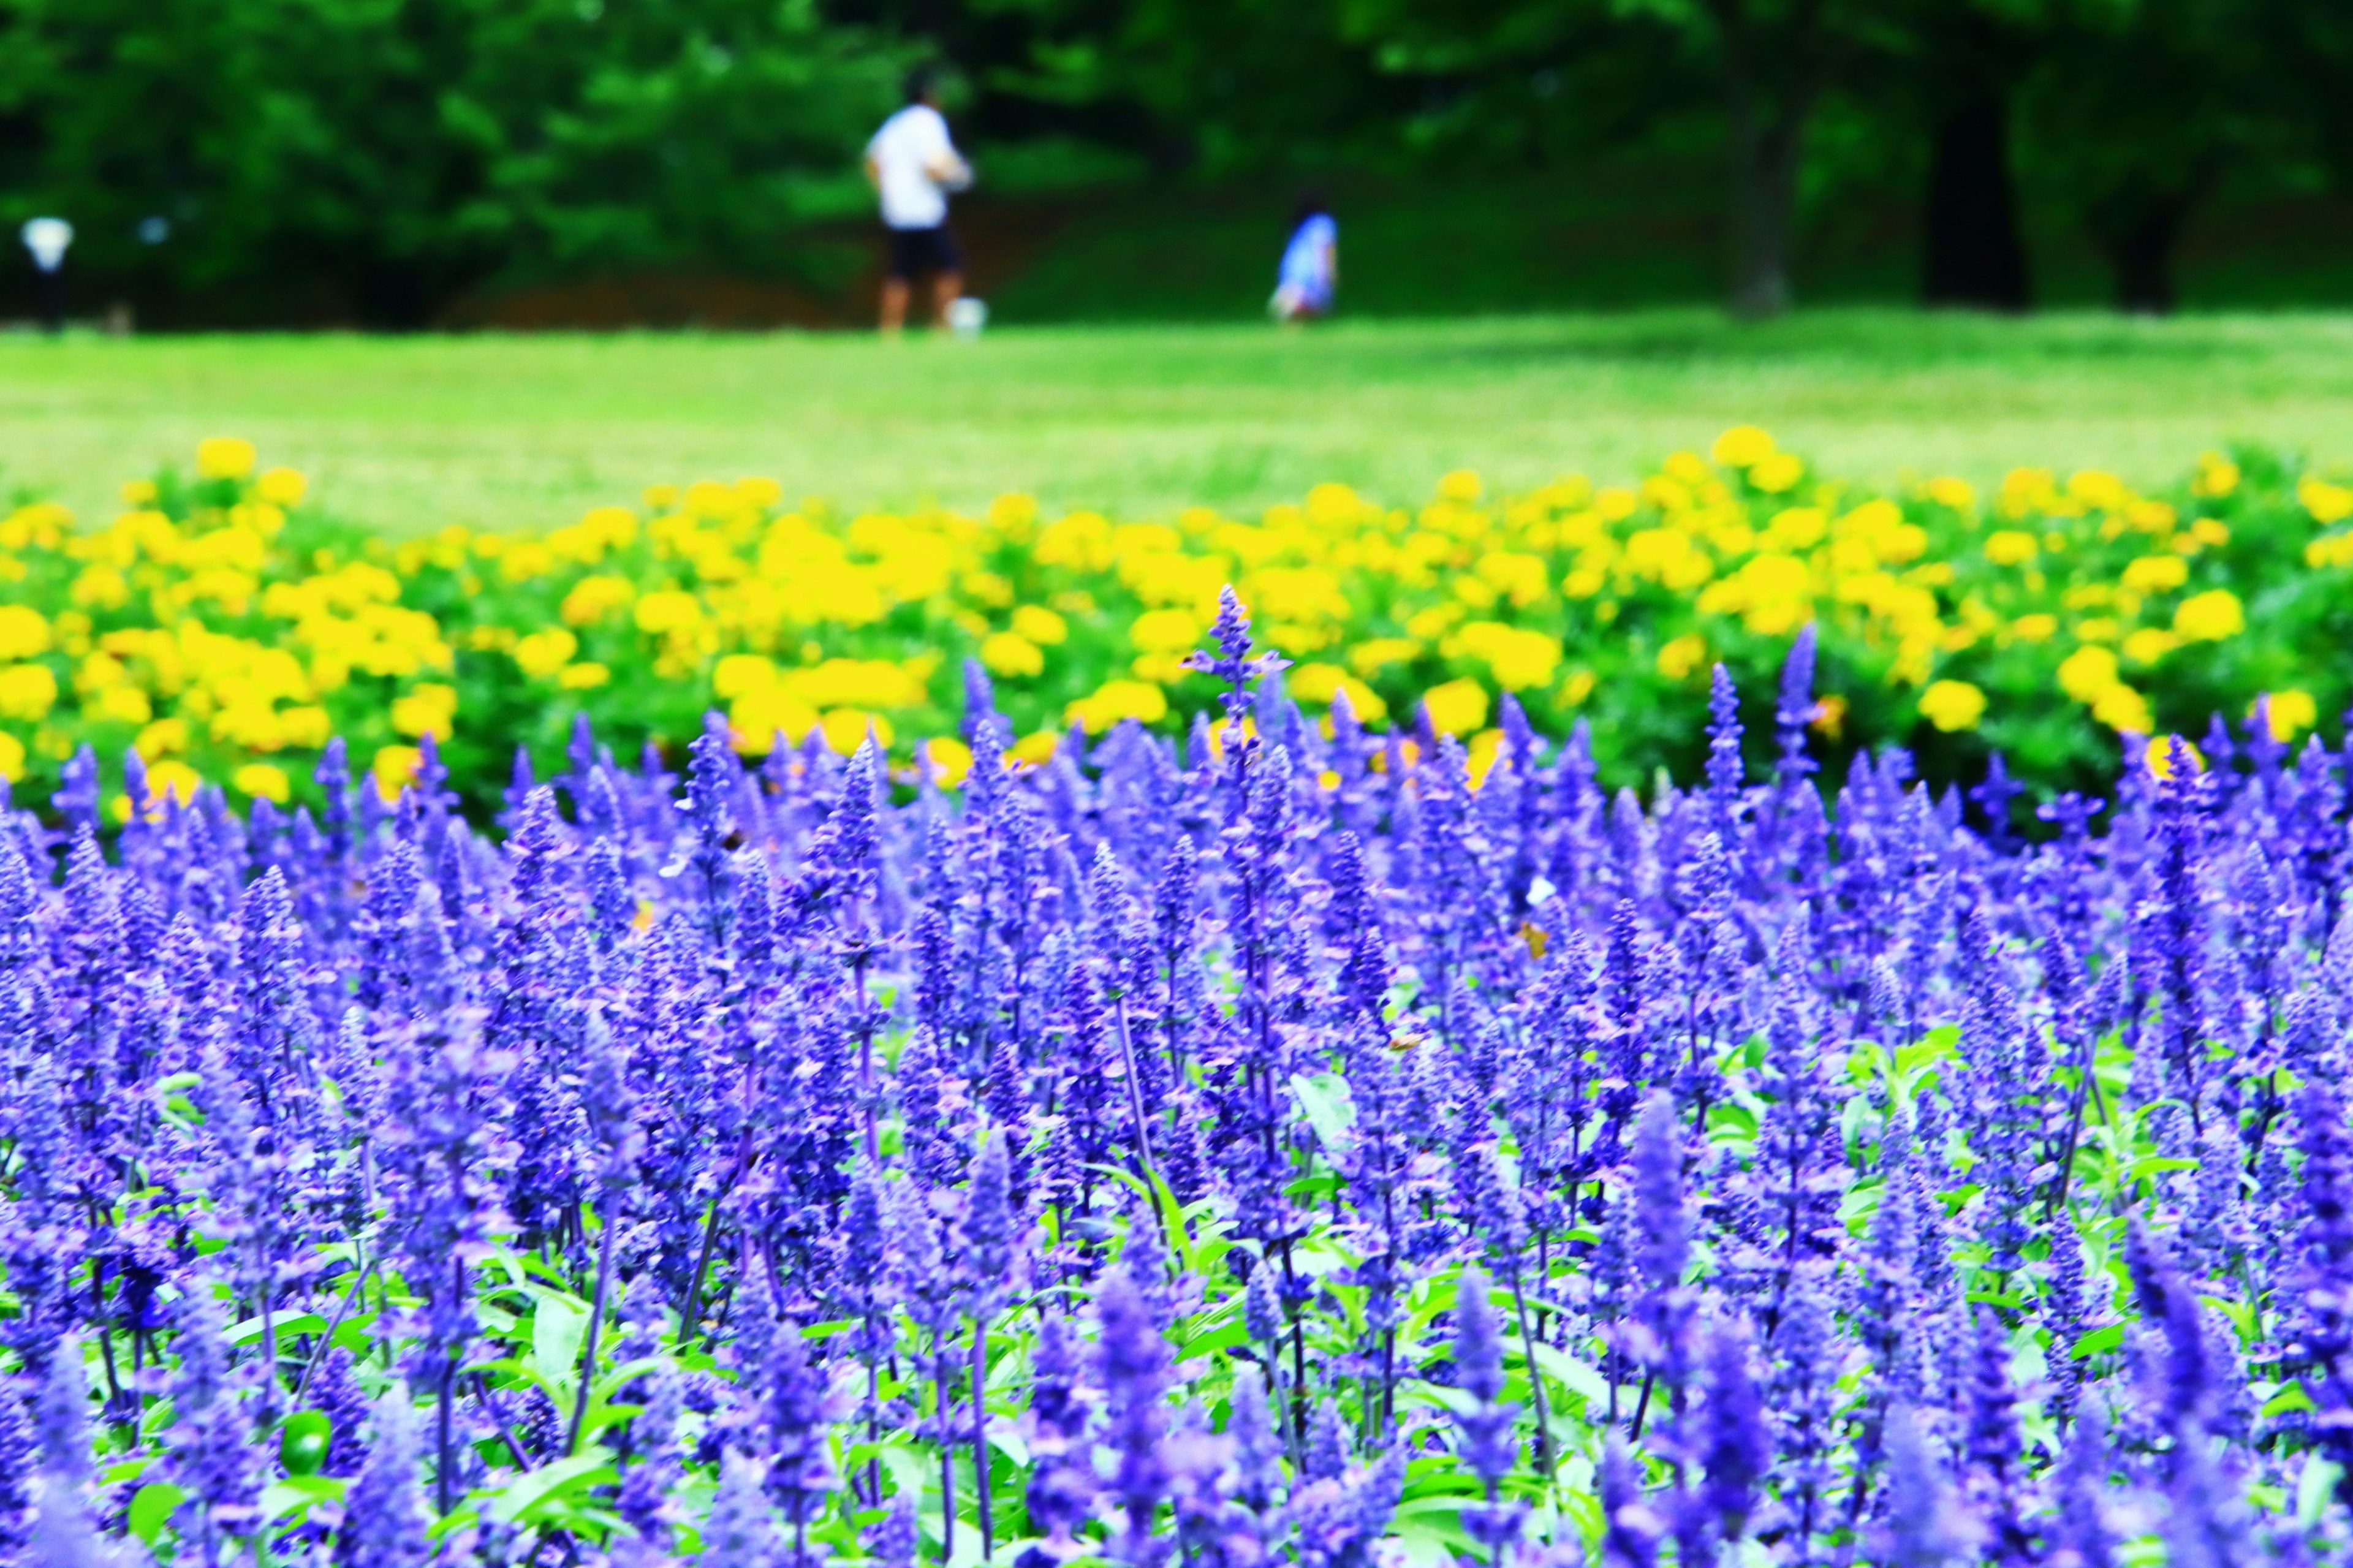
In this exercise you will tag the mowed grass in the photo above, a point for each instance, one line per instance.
(409, 434)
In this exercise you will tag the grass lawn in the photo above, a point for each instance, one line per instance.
(407, 433)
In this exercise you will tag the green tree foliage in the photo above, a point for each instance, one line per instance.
(374, 159)
(376, 156)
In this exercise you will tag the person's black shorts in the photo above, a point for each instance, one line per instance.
(916, 251)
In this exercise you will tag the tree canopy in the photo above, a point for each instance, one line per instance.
(371, 160)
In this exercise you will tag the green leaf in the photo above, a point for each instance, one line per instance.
(533, 1487)
(294, 1496)
(2292, 1397)
(1325, 1100)
(558, 1325)
(1579, 1378)
(152, 1507)
(282, 1325)
(2098, 1340)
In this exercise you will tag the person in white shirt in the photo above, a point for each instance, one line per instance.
(913, 166)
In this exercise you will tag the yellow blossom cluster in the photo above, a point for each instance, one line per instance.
(225, 630)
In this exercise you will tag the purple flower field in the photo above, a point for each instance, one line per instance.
(1270, 1149)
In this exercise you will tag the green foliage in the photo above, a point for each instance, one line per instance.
(383, 154)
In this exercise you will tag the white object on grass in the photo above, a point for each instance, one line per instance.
(967, 316)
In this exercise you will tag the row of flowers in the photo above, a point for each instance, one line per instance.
(223, 627)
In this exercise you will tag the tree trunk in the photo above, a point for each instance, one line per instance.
(1972, 252)
(1769, 153)
(2139, 239)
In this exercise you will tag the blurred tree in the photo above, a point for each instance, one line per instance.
(2136, 112)
(369, 159)
(1968, 59)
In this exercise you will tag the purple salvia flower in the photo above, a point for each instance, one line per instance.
(1734, 1449)
(741, 1531)
(1993, 1448)
(1490, 1444)
(2078, 1532)
(1629, 1526)
(1924, 1528)
(19, 1462)
(1794, 714)
(1726, 773)
(1133, 1371)
(384, 1518)
(895, 1541)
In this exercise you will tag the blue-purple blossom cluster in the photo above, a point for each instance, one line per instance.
(1277, 1147)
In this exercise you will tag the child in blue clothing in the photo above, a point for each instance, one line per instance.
(1310, 265)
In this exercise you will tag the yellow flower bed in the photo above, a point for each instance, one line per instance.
(225, 630)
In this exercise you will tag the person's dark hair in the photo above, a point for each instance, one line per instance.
(1310, 205)
(921, 83)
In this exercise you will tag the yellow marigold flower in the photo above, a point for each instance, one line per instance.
(668, 610)
(591, 597)
(1958, 495)
(543, 653)
(2210, 531)
(1324, 682)
(1480, 756)
(1796, 528)
(2034, 629)
(847, 728)
(1036, 748)
(1373, 654)
(1778, 472)
(172, 779)
(1952, 705)
(1165, 631)
(22, 631)
(1013, 512)
(1680, 657)
(2122, 709)
(262, 781)
(1577, 687)
(1040, 625)
(138, 492)
(427, 710)
(2155, 573)
(585, 675)
(2291, 712)
(1741, 447)
(740, 673)
(2209, 616)
(123, 705)
(1114, 700)
(2010, 547)
(1519, 658)
(27, 691)
(101, 587)
(1012, 654)
(2087, 672)
(1456, 708)
(1461, 486)
(225, 458)
(951, 760)
(12, 757)
(305, 724)
(2150, 643)
(761, 713)
(2327, 502)
(395, 769)
(163, 738)
(2217, 476)
(280, 487)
